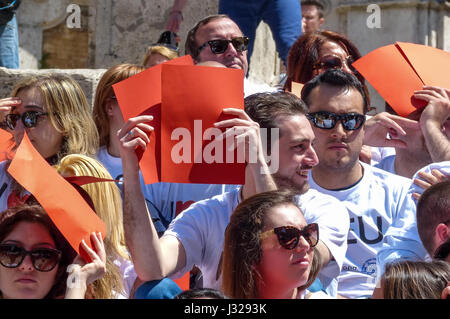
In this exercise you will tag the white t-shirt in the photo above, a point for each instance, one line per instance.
(251, 87)
(129, 276)
(201, 230)
(387, 164)
(164, 200)
(373, 203)
(402, 239)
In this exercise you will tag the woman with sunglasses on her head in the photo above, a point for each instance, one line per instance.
(53, 111)
(34, 258)
(269, 250)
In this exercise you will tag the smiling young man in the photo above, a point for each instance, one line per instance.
(374, 198)
(196, 236)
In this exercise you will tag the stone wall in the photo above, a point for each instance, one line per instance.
(87, 78)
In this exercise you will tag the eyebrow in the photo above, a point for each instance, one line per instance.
(11, 241)
(29, 106)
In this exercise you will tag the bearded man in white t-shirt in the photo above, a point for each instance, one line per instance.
(374, 198)
(196, 236)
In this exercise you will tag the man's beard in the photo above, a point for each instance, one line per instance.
(284, 183)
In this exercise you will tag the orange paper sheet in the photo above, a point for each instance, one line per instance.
(64, 205)
(143, 90)
(397, 70)
(188, 93)
(193, 99)
(6, 145)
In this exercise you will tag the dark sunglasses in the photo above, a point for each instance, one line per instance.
(220, 45)
(289, 236)
(43, 259)
(334, 62)
(328, 120)
(29, 119)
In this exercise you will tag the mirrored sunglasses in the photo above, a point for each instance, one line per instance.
(29, 119)
(328, 120)
(43, 259)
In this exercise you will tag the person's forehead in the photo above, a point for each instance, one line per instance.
(294, 127)
(332, 48)
(336, 99)
(309, 9)
(285, 215)
(218, 29)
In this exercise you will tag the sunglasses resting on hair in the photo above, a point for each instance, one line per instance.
(29, 119)
(43, 259)
(220, 45)
(328, 120)
(289, 236)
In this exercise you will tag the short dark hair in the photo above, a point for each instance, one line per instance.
(265, 108)
(201, 293)
(317, 4)
(191, 46)
(337, 78)
(433, 208)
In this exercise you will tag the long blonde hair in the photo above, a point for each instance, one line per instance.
(68, 111)
(108, 205)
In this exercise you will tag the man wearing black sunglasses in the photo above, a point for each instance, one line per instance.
(374, 198)
(196, 236)
(218, 38)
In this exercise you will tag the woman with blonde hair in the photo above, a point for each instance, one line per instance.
(157, 54)
(52, 109)
(269, 250)
(120, 275)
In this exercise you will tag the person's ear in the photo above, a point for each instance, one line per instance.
(321, 21)
(109, 108)
(442, 233)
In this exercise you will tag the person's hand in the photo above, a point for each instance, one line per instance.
(6, 105)
(174, 22)
(246, 133)
(379, 125)
(87, 273)
(366, 154)
(438, 109)
(133, 135)
(426, 180)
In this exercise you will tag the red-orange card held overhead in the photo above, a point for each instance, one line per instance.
(141, 95)
(193, 98)
(397, 70)
(143, 90)
(65, 206)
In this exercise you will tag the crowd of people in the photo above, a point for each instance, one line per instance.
(358, 208)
